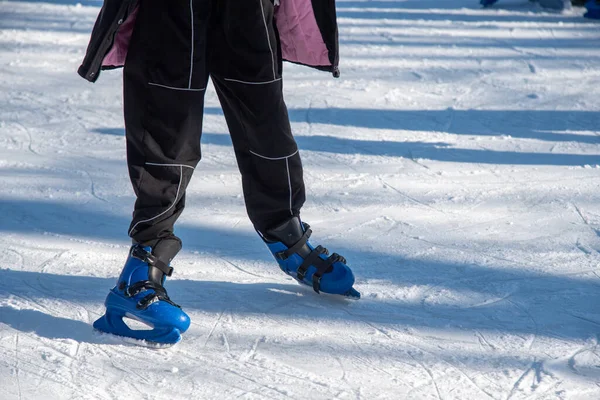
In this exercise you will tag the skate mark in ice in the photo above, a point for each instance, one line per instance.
(535, 324)
(20, 256)
(532, 68)
(537, 370)
(571, 361)
(475, 225)
(126, 371)
(583, 248)
(591, 321)
(34, 369)
(420, 349)
(261, 385)
(367, 361)
(213, 328)
(28, 133)
(93, 188)
(43, 267)
(452, 366)
(386, 334)
(483, 342)
(471, 381)
(296, 374)
(408, 196)
(252, 352)
(433, 381)
(240, 268)
(226, 342)
(475, 252)
(411, 157)
(17, 366)
(585, 220)
(344, 378)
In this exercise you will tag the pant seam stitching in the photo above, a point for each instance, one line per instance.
(268, 38)
(171, 206)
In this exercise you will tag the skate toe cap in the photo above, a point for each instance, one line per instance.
(338, 281)
(169, 315)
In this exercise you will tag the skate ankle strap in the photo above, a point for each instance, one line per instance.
(284, 255)
(160, 293)
(150, 259)
(322, 266)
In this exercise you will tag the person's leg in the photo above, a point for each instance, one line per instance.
(164, 82)
(245, 65)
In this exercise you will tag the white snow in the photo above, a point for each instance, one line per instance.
(455, 164)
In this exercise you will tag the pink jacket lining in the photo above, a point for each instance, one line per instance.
(301, 40)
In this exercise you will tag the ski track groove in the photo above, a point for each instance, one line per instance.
(516, 385)
(44, 265)
(302, 376)
(93, 188)
(453, 366)
(213, 328)
(483, 342)
(30, 144)
(239, 374)
(460, 371)
(433, 381)
(226, 343)
(17, 366)
(535, 324)
(48, 374)
(408, 197)
(240, 268)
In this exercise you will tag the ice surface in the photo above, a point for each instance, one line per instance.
(455, 164)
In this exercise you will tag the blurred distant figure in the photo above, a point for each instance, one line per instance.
(593, 9)
(553, 4)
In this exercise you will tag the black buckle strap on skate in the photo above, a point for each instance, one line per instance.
(150, 259)
(324, 265)
(311, 259)
(284, 255)
(160, 294)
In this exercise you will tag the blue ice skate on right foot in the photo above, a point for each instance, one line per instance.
(593, 9)
(140, 295)
(312, 266)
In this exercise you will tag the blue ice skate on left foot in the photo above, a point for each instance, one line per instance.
(140, 295)
(309, 265)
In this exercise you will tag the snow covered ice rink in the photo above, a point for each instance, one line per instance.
(455, 164)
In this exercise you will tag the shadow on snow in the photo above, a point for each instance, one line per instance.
(517, 302)
(551, 126)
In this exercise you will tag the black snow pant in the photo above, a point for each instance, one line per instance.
(176, 45)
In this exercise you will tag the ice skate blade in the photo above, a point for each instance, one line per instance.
(351, 294)
(112, 323)
(128, 341)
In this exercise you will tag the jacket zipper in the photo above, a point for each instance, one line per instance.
(105, 47)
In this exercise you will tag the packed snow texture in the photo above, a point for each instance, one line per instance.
(455, 164)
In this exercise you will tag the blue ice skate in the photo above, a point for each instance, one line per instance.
(487, 3)
(312, 266)
(140, 295)
(593, 9)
